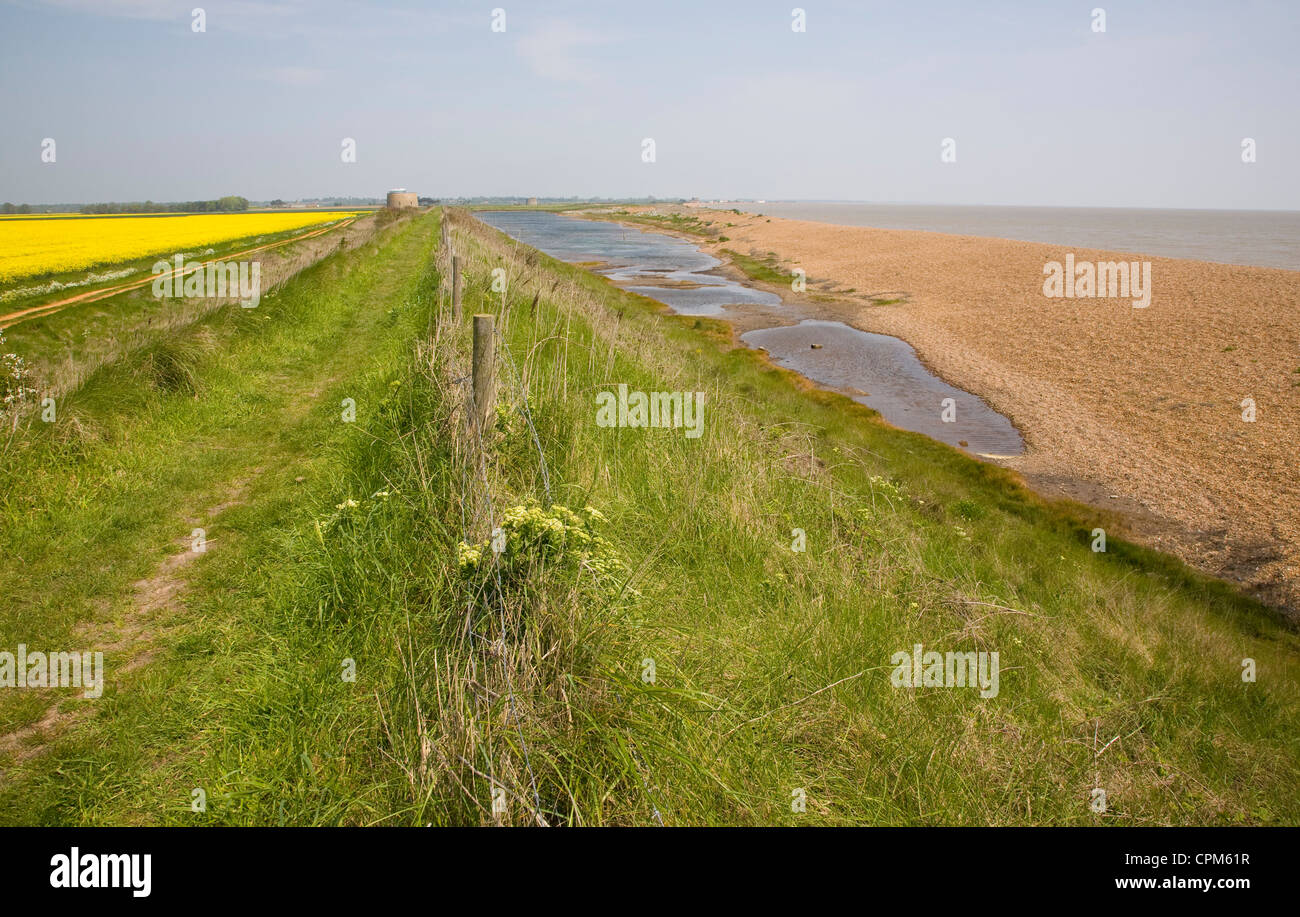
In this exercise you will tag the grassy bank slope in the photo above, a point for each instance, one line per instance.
(356, 653)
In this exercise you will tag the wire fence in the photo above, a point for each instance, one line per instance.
(475, 471)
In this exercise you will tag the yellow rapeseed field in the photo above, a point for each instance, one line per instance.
(32, 248)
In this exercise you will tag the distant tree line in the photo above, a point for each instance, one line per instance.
(226, 204)
(341, 201)
(565, 200)
(15, 208)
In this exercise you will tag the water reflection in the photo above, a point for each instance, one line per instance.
(880, 371)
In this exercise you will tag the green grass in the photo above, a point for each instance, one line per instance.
(767, 269)
(675, 222)
(1120, 670)
(548, 208)
(236, 405)
(764, 270)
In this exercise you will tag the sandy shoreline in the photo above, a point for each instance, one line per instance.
(1137, 409)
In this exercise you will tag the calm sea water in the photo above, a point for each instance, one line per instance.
(1268, 238)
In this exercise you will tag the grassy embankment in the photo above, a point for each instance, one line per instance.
(1119, 670)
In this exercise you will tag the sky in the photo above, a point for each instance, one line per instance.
(1042, 108)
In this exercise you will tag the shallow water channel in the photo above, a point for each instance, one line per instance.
(880, 371)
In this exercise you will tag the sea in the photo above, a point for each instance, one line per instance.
(1265, 238)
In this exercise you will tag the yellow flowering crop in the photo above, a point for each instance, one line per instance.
(31, 248)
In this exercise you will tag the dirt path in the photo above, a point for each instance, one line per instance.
(158, 610)
(156, 602)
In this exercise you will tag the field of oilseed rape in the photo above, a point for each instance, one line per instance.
(37, 247)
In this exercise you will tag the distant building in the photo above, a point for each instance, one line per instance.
(400, 199)
(532, 202)
(694, 202)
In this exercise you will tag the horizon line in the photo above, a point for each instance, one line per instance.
(703, 200)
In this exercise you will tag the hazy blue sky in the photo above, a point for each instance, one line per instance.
(1042, 109)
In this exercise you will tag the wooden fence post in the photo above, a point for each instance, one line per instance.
(485, 371)
(455, 286)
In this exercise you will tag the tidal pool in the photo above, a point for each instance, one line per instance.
(885, 374)
(880, 371)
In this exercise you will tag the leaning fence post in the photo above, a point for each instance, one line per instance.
(485, 370)
(455, 286)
